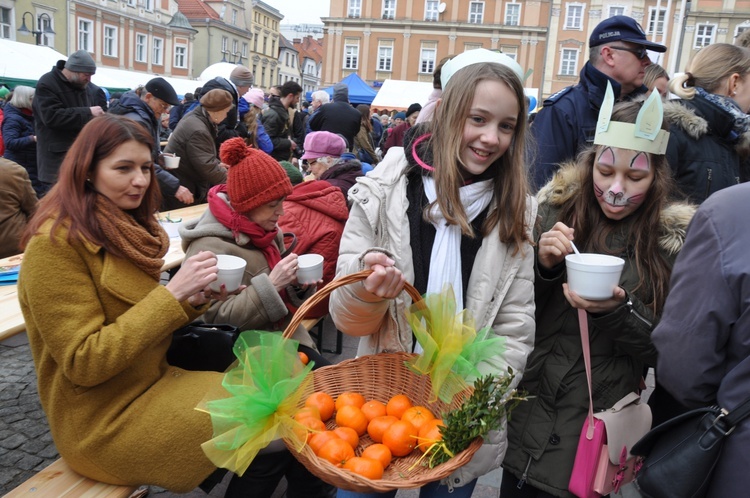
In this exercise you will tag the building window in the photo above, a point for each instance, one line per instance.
(294, 64)
(180, 56)
(616, 10)
(471, 46)
(476, 12)
(234, 17)
(110, 41)
(431, 10)
(140, 47)
(224, 44)
(263, 76)
(389, 9)
(385, 58)
(569, 62)
(149, 5)
(427, 60)
(255, 43)
(654, 23)
(235, 46)
(511, 52)
(273, 48)
(355, 8)
(158, 59)
(85, 39)
(351, 55)
(131, 3)
(244, 50)
(5, 22)
(574, 16)
(513, 14)
(704, 35)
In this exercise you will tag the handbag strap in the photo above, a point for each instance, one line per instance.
(739, 413)
(583, 323)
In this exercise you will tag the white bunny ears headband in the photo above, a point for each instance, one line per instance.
(644, 135)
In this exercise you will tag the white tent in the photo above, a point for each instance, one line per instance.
(400, 94)
(24, 64)
(223, 69)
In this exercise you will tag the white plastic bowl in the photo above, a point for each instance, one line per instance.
(594, 276)
(309, 268)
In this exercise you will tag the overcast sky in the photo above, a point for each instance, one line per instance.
(301, 11)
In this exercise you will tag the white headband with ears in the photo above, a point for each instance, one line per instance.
(644, 135)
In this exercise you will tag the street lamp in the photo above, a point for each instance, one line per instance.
(37, 32)
(236, 55)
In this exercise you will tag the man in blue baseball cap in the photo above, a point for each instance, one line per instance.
(618, 54)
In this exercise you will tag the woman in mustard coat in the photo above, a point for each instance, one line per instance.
(99, 322)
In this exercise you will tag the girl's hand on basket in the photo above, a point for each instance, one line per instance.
(285, 272)
(555, 245)
(386, 280)
(608, 306)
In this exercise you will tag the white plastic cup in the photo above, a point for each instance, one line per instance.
(309, 269)
(231, 270)
(171, 227)
(594, 276)
(171, 161)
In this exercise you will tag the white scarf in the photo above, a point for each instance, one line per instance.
(445, 259)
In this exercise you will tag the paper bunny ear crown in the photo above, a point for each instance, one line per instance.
(645, 134)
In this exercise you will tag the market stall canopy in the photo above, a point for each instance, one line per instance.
(24, 64)
(359, 91)
(398, 95)
(223, 69)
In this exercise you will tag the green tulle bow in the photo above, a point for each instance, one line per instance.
(453, 348)
(264, 389)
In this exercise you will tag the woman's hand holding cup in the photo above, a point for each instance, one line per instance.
(193, 277)
(285, 272)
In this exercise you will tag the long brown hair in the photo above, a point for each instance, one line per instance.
(508, 212)
(593, 229)
(72, 199)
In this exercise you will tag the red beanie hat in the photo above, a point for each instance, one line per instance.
(254, 177)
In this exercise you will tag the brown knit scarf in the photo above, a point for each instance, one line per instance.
(144, 246)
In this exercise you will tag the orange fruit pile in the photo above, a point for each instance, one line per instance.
(396, 428)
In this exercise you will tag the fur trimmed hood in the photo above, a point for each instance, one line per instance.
(675, 217)
(684, 116)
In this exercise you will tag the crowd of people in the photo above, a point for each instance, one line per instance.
(462, 190)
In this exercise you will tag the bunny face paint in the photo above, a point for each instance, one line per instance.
(622, 178)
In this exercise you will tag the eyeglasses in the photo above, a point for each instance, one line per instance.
(641, 53)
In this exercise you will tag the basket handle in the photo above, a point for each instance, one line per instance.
(325, 291)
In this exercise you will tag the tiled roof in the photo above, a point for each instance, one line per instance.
(284, 43)
(196, 9)
(311, 48)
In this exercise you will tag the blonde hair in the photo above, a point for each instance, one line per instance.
(653, 73)
(709, 68)
(508, 211)
(251, 122)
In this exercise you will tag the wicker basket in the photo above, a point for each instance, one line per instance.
(379, 377)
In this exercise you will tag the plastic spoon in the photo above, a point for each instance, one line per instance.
(575, 249)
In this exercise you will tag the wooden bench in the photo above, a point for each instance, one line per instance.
(60, 481)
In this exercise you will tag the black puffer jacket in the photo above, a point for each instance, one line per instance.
(703, 151)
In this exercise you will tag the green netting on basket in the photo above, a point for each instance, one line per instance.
(264, 391)
(453, 348)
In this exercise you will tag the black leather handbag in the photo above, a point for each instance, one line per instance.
(681, 454)
(203, 346)
(209, 348)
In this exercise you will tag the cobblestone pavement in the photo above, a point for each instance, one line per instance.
(26, 445)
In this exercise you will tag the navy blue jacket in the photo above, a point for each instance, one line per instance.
(567, 122)
(703, 338)
(131, 106)
(20, 146)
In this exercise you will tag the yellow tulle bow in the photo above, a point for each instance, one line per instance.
(264, 391)
(453, 348)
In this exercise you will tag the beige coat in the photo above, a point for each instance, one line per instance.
(500, 293)
(99, 329)
(17, 204)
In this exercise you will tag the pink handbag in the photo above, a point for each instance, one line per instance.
(603, 462)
